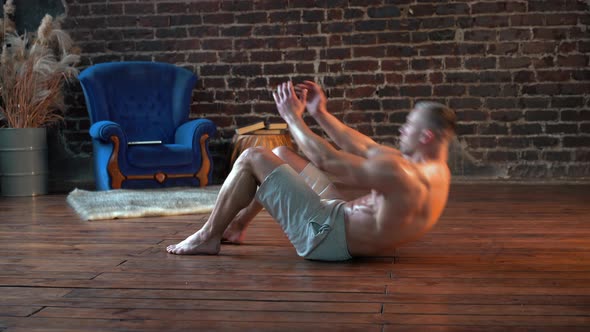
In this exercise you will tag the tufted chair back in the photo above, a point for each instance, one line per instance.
(147, 99)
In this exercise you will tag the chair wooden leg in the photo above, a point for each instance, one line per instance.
(203, 173)
(117, 177)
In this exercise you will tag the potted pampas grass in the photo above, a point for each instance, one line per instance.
(33, 70)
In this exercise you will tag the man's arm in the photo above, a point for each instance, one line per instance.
(345, 137)
(352, 169)
(314, 147)
(378, 170)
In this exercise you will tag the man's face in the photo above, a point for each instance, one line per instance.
(411, 133)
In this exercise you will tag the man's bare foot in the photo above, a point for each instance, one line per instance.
(234, 234)
(195, 244)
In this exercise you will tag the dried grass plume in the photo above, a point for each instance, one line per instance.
(33, 70)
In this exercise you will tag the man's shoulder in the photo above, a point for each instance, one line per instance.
(435, 172)
(382, 149)
(397, 174)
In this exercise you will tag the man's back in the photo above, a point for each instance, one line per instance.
(382, 220)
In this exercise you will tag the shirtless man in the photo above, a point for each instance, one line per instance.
(409, 188)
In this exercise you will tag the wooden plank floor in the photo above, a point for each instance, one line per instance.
(504, 257)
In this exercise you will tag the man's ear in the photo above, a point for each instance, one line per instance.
(426, 136)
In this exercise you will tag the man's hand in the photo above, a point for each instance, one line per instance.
(288, 104)
(316, 99)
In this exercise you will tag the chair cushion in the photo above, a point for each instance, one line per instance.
(159, 155)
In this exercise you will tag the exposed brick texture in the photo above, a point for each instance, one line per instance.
(516, 72)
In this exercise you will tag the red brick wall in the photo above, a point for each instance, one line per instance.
(516, 72)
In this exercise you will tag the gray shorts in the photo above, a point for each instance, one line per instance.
(313, 224)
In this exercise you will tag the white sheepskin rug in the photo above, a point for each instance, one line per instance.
(126, 203)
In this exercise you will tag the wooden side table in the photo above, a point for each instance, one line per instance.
(242, 142)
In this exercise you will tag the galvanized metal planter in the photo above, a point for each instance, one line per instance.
(23, 161)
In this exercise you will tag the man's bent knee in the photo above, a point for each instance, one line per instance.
(251, 154)
(259, 160)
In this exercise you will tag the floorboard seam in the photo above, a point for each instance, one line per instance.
(36, 311)
(96, 276)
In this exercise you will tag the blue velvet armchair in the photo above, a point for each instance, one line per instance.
(141, 102)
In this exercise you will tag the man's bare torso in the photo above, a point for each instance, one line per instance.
(378, 222)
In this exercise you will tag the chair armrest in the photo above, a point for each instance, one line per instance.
(190, 133)
(103, 130)
(110, 155)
